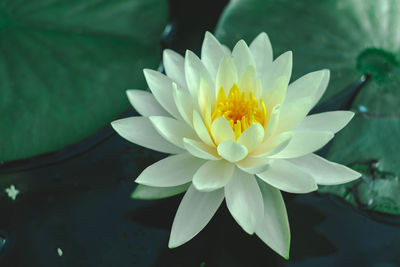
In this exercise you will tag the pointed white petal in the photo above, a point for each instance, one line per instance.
(205, 100)
(288, 177)
(332, 121)
(140, 130)
(211, 54)
(244, 200)
(194, 71)
(273, 145)
(303, 143)
(232, 151)
(213, 175)
(292, 113)
(174, 65)
(281, 67)
(195, 211)
(274, 229)
(221, 130)
(151, 192)
(201, 150)
(173, 130)
(201, 129)
(184, 104)
(325, 172)
(145, 103)
(249, 82)
(226, 76)
(172, 171)
(252, 136)
(242, 57)
(306, 86)
(161, 87)
(262, 53)
(322, 87)
(273, 121)
(275, 95)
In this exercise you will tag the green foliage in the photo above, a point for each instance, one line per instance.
(65, 65)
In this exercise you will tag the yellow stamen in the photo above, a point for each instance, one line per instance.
(240, 109)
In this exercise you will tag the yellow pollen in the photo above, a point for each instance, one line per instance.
(240, 109)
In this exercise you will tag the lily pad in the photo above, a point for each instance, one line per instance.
(65, 66)
(351, 38)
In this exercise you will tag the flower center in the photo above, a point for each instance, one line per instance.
(240, 109)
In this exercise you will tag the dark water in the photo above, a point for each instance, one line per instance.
(78, 203)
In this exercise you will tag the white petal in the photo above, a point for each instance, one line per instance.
(172, 171)
(292, 113)
(252, 136)
(195, 211)
(273, 145)
(172, 130)
(201, 129)
(274, 229)
(281, 67)
(288, 177)
(242, 57)
(174, 65)
(254, 165)
(226, 49)
(140, 130)
(244, 200)
(249, 82)
(303, 143)
(161, 87)
(226, 76)
(213, 175)
(306, 86)
(184, 104)
(145, 103)
(200, 150)
(325, 172)
(273, 121)
(211, 54)
(151, 192)
(194, 71)
(232, 151)
(221, 130)
(205, 100)
(322, 87)
(332, 121)
(262, 53)
(275, 95)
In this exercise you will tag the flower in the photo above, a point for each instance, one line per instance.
(237, 131)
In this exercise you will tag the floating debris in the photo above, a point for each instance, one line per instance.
(59, 252)
(12, 192)
(362, 108)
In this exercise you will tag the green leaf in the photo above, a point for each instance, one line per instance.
(65, 66)
(351, 38)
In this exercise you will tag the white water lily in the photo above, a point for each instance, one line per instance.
(237, 131)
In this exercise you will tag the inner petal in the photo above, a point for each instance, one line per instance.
(240, 109)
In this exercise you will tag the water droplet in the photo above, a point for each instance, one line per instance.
(2, 243)
(362, 108)
(60, 252)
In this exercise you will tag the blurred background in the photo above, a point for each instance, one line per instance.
(66, 177)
